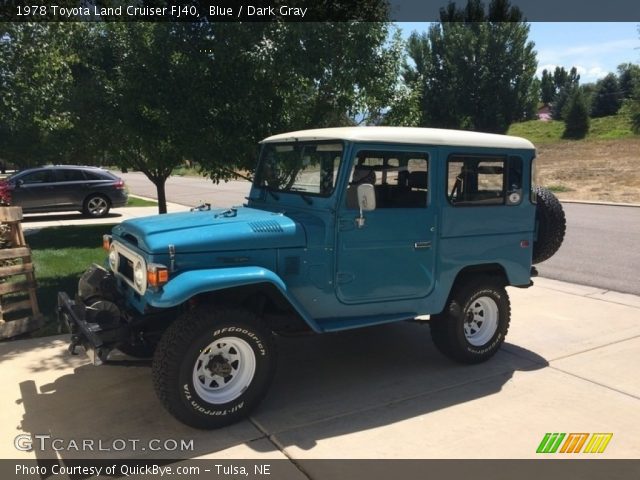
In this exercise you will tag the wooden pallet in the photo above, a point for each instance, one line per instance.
(19, 312)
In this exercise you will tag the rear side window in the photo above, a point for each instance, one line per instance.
(484, 180)
(68, 175)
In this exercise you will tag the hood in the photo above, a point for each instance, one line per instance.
(212, 230)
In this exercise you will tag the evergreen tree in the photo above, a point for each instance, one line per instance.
(576, 124)
(628, 78)
(607, 98)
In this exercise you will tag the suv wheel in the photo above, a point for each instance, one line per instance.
(96, 206)
(474, 322)
(212, 368)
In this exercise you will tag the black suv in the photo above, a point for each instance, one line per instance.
(91, 190)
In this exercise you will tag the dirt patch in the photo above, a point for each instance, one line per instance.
(607, 170)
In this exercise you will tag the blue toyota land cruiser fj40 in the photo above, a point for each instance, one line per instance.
(343, 228)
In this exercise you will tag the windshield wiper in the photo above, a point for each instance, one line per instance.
(305, 197)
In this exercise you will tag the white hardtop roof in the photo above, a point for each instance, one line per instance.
(406, 135)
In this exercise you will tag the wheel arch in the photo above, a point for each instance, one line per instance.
(97, 194)
(465, 274)
(264, 299)
(493, 270)
(255, 287)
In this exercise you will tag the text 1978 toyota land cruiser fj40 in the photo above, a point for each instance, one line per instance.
(343, 228)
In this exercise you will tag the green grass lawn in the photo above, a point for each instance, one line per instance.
(140, 202)
(604, 128)
(60, 256)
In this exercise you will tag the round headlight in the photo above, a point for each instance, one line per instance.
(139, 275)
(113, 259)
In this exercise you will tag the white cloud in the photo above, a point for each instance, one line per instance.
(592, 60)
(591, 74)
(561, 55)
(588, 73)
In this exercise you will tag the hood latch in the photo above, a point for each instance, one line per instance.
(172, 258)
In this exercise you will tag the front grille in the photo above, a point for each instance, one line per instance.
(125, 267)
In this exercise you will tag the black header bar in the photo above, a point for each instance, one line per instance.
(299, 10)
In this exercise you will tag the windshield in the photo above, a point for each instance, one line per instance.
(310, 168)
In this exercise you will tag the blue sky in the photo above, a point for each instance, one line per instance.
(595, 49)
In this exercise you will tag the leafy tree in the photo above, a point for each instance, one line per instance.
(576, 116)
(149, 96)
(34, 81)
(607, 98)
(565, 85)
(628, 78)
(474, 69)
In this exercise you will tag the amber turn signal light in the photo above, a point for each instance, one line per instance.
(157, 275)
(106, 242)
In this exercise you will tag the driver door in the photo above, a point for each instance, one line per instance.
(391, 257)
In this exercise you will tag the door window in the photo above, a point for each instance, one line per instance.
(400, 179)
(41, 176)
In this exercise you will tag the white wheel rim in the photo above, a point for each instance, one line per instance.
(224, 370)
(481, 321)
(97, 206)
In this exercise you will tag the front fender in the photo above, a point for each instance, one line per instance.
(193, 282)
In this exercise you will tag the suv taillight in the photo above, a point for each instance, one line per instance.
(119, 184)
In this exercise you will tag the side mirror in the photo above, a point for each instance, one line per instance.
(366, 201)
(19, 183)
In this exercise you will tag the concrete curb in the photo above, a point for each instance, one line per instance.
(596, 293)
(594, 202)
(151, 199)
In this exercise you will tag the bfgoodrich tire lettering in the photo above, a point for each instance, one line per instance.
(475, 321)
(211, 368)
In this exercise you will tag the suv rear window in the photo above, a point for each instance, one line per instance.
(96, 175)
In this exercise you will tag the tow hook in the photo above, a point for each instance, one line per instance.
(75, 342)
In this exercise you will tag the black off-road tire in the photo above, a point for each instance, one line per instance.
(448, 327)
(551, 224)
(182, 345)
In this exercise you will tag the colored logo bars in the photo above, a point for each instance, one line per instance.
(573, 442)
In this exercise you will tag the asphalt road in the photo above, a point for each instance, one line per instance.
(601, 248)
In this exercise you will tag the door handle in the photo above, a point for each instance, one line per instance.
(421, 245)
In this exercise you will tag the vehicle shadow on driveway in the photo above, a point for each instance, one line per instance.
(319, 378)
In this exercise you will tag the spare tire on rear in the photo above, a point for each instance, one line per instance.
(550, 223)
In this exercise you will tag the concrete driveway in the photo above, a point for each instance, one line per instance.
(570, 364)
